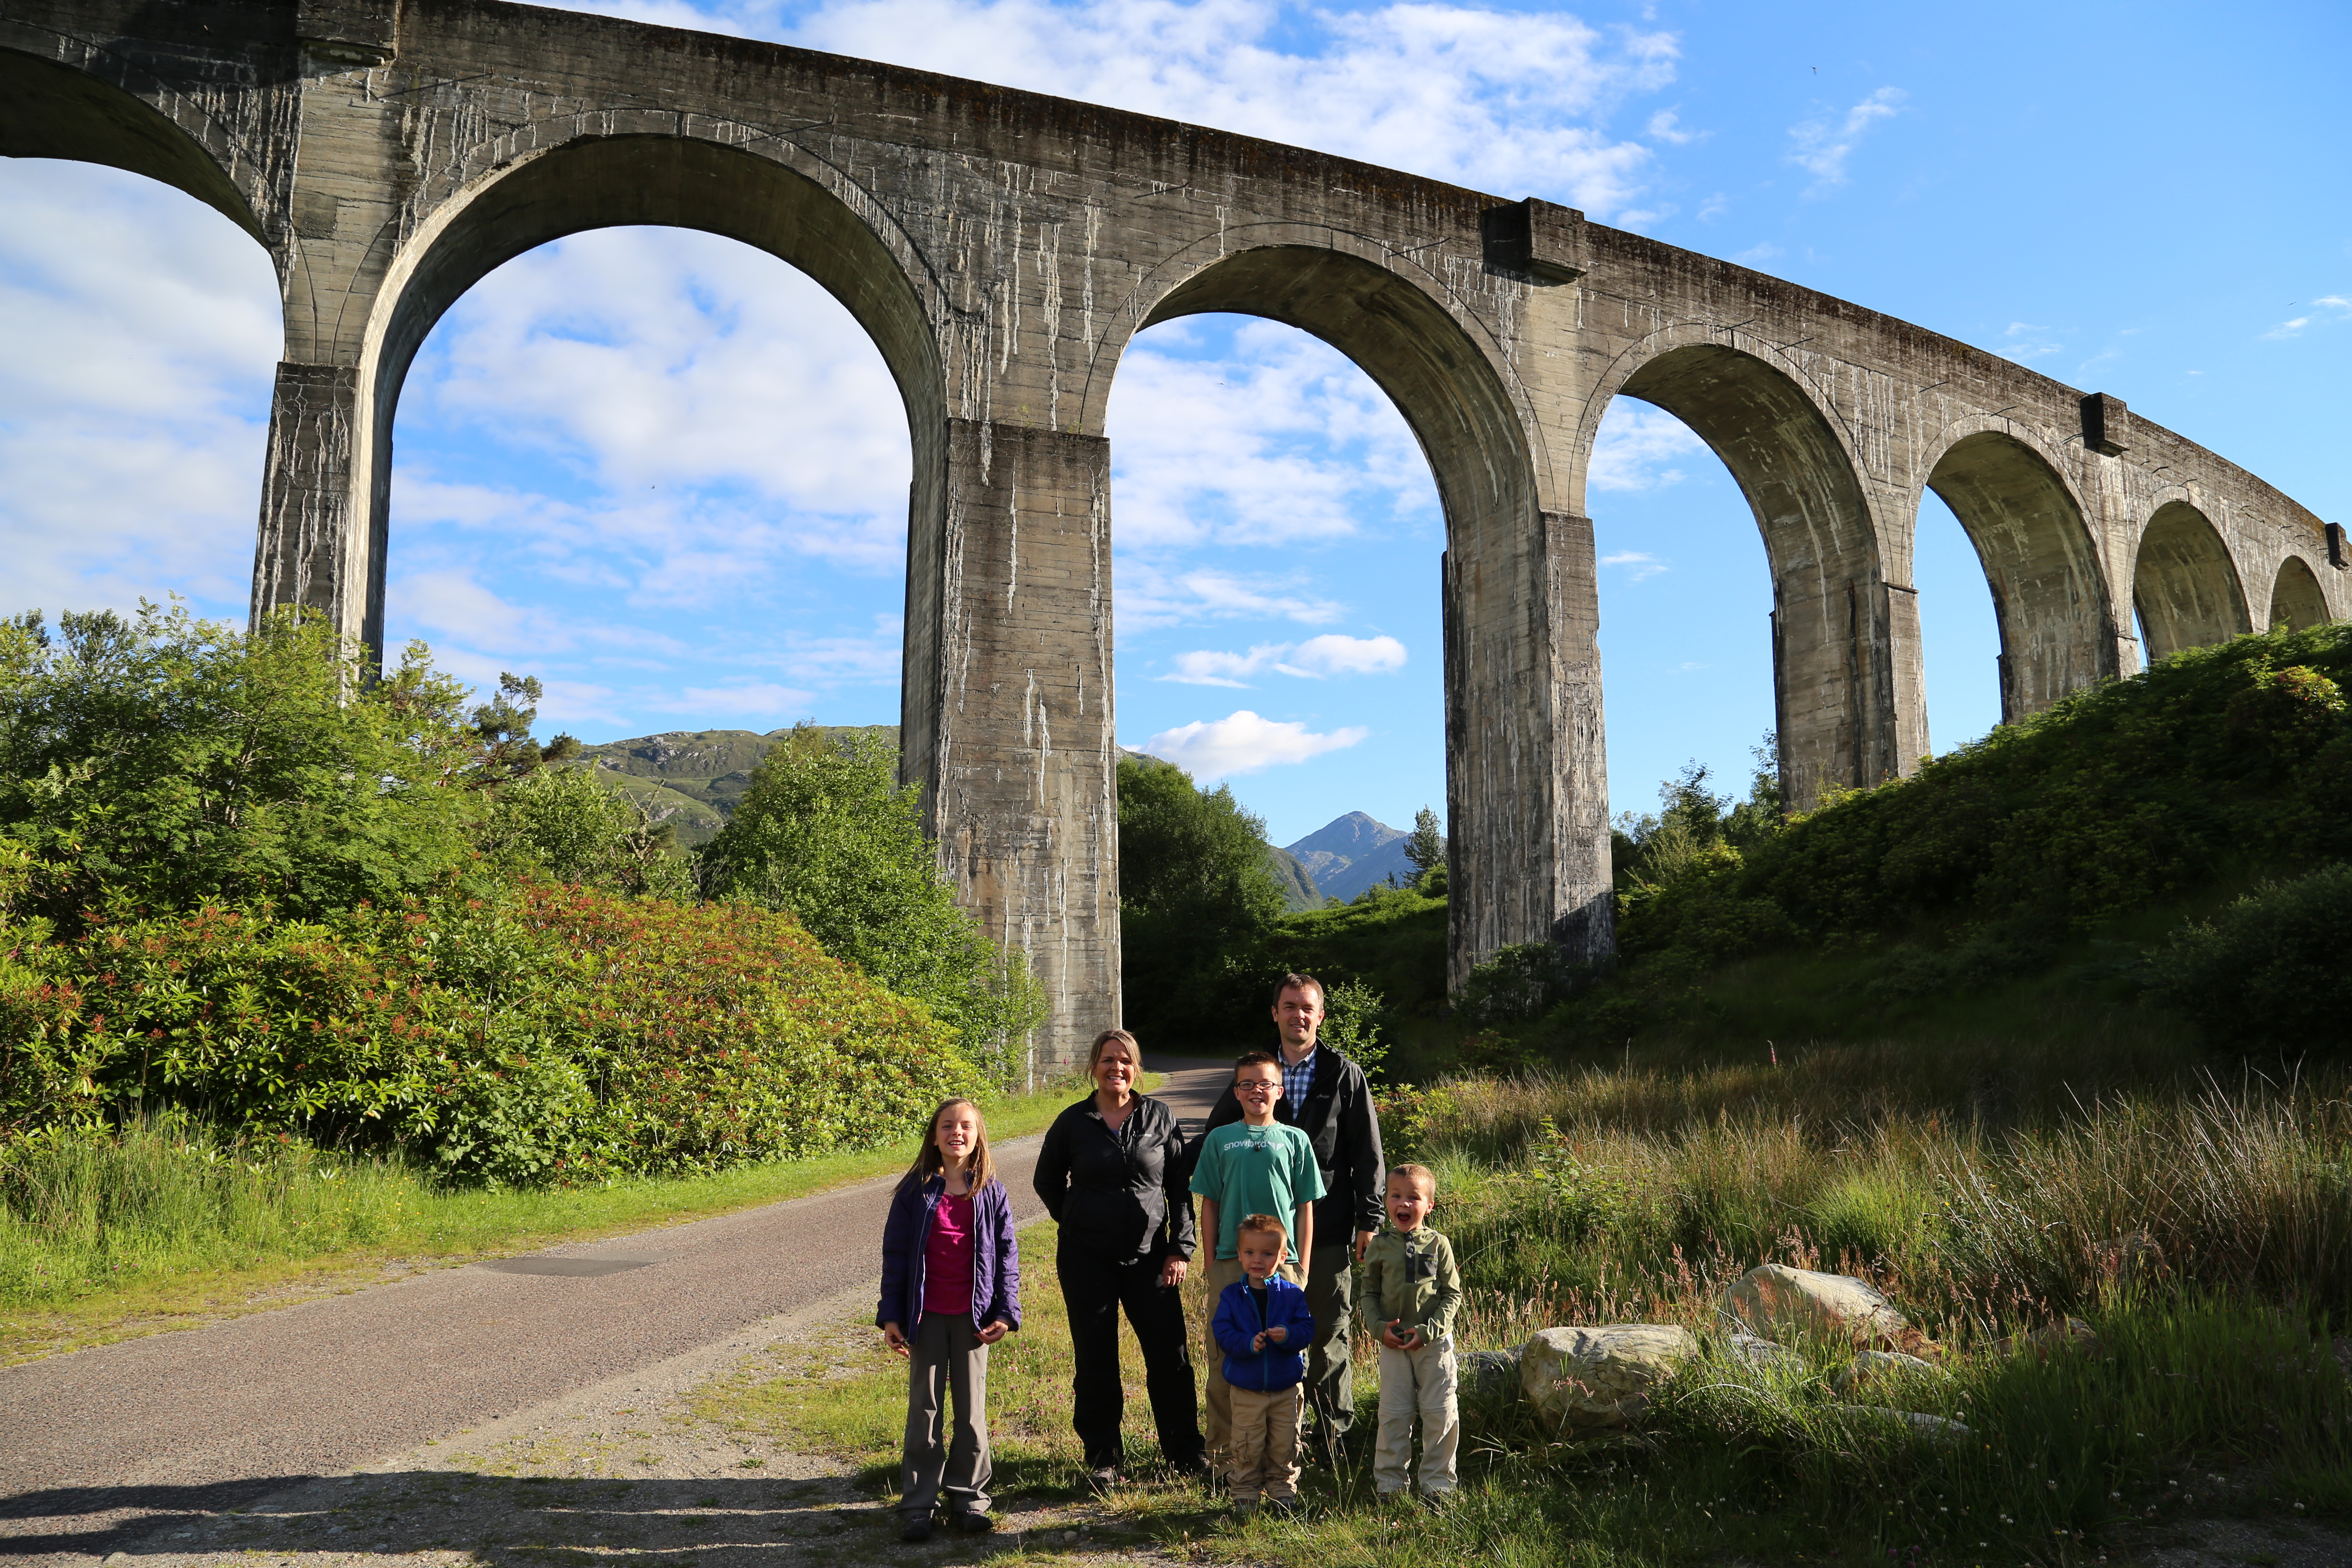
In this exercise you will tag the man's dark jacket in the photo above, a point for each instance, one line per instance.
(1339, 1120)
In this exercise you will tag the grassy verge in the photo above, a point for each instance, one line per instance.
(168, 1226)
(2201, 1232)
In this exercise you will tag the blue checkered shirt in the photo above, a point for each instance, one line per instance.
(1297, 1080)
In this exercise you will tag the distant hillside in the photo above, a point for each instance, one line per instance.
(1352, 853)
(1298, 888)
(692, 778)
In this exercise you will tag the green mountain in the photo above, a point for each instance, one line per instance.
(692, 778)
(1298, 888)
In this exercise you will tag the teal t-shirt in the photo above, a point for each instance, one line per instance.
(1257, 1170)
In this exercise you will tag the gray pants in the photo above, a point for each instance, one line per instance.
(948, 1359)
(1330, 1376)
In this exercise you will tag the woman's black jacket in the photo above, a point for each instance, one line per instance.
(1120, 1197)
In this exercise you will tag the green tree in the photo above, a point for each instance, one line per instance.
(1196, 904)
(571, 826)
(163, 762)
(825, 832)
(1425, 845)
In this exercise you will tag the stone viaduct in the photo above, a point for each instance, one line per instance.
(1001, 249)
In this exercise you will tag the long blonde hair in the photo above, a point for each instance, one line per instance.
(979, 1170)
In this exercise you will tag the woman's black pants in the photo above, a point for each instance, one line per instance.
(1095, 1293)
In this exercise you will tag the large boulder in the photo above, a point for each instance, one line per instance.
(1781, 1303)
(1591, 1379)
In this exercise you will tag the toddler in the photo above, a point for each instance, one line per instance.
(1410, 1291)
(1264, 1327)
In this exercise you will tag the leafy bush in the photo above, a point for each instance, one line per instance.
(541, 1034)
(2271, 970)
(165, 762)
(825, 832)
(570, 823)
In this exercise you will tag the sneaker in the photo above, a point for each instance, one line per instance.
(1437, 1503)
(1102, 1478)
(1245, 1508)
(975, 1522)
(1286, 1508)
(918, 1528)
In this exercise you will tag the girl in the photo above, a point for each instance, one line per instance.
(950, 1288)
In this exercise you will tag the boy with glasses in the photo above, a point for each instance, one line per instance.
(1255, 1165)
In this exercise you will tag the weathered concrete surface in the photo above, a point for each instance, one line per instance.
(1001, 247)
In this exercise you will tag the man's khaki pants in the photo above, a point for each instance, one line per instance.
(1422, 1382)
(1265, 1444)
(1224, 1271)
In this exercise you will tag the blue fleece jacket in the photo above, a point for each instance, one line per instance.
(1238, 1322)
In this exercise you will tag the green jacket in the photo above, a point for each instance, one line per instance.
(1412, 1278)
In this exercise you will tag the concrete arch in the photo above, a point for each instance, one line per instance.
(1397, 332)
(49, 110)
(2049, 598)
(2184, 586)
(607, 182)
(1515, 579)
(2296, 601)
(1834, 618)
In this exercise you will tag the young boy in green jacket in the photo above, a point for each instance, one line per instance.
(1411, 1288)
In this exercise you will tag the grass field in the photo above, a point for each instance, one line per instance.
(2216, 1389)
(169, 1226)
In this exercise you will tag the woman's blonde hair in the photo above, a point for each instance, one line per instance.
(1095, 1056)
(980, 1170)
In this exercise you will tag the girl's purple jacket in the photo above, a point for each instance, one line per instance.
(995, 1255)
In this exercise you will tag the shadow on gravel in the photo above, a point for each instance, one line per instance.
(496, 1520)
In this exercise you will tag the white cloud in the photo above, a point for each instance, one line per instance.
(1283, 441)
(1243, 743)
(2024, 340)
(1640, 565)
(648, 359)
(1149, 596)
(141, 333)
(2326, 310)
(1757, 255)
(1822, 148)
(1636, 447)
(1714, 207)
(1667, 126)
(1332, 654)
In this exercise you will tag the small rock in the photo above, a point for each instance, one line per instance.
(1777, 1302)
(1872, 1366)
(1601, 1378)
(1487, 1371)
(1762, 1354)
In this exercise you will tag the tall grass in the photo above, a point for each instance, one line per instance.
(171, 1205)
(166, 1194)
(1643, 1192)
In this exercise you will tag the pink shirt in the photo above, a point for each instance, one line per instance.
(947, 1257)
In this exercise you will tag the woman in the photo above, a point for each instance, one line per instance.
(1115, 1175)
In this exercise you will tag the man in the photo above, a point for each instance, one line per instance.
(1326, 1097)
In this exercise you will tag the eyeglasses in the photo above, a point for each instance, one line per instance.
(1256, 1085)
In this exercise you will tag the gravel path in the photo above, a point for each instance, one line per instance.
(94, 1442)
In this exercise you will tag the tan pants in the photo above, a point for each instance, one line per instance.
(1265, 1443)
(1224, 1271)
(1418, 1382)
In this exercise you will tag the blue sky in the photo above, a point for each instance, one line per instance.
(667, 474)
